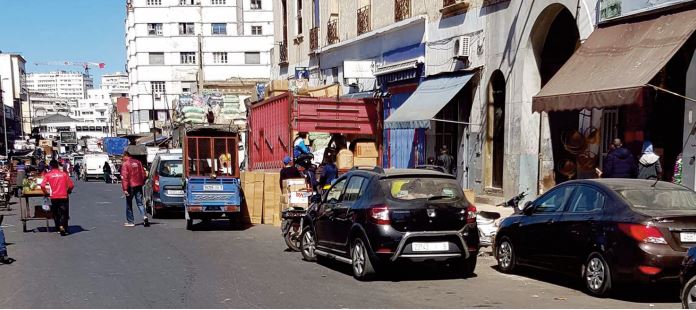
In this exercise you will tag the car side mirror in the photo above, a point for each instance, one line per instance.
(528, 208)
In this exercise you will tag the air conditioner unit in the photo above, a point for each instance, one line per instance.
(462, 47)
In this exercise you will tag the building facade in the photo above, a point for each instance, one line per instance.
(13, 93)
(60, 84)
(115, 83)
(176, 47)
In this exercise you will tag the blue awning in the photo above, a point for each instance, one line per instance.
(429, 98)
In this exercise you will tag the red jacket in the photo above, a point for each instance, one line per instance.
(60, 182)
(132, 174)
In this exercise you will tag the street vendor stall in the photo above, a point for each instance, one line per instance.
(31, 189)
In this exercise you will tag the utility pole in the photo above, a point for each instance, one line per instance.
(154, 129)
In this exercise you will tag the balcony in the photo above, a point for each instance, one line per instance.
(283, 49)
(454, 7)
(402, 10)
(364, 20)
(332, 31)
(314, 39)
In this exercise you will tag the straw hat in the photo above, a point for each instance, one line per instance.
(568, 168)
(573, 142)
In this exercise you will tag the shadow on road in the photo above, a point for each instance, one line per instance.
(72, 229)
(655, 293)
(403, 271)
(219, 225)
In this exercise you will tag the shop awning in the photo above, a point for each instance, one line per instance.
(429, 98)
(615, 63)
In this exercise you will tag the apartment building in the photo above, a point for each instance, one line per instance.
(13, 93)
(60, 84)
(115, 82)
(188, 46)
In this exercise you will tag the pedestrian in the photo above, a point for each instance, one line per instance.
(77, 169)
(620, 163)
(42, 166)
(60, 188)
(132, 180)
(329, 173)
(289, 171)
(649, 167)
(4, 258)
(107, 172)
(446, 159)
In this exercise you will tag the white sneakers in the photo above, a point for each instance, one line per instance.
(129, 225)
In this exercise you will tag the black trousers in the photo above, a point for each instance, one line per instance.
(61, 212)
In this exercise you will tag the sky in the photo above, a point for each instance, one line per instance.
(60, 30)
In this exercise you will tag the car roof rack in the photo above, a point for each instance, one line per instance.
(374, 169)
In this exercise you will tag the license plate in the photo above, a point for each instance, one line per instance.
(687, 237)
(212, 187)
(430, 246)
(175, 192)
(212, 208)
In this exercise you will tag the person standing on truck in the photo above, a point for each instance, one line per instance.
(289, 171)
(300, 149)
(132, 181)
(60, 188)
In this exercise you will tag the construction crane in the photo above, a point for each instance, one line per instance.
(86, 65)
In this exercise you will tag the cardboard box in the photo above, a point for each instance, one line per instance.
(365, 161)
(293, 185)
(277, 220)
(366, 149)
(278, 85)
(257, 200)
(344, 160)
(271, 196)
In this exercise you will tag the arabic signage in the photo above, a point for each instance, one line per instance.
(611, 9)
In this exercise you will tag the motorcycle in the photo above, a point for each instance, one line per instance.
(487, 222)
(291, 226)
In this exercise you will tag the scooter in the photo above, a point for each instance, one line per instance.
(487, 222)
(291, 227)
(514, 203)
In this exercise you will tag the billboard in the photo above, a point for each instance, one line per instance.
(68, 137)
(611, 9)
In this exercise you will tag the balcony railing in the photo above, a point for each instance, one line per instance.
(314, 39)
(283, 48)
(454, 7)
(402, 10)
(364, 20)
(332, 31)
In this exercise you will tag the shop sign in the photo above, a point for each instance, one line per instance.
(611, 9)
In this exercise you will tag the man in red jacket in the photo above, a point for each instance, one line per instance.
(60, 188)
(132, 180)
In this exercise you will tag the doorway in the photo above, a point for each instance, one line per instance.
(495, 133)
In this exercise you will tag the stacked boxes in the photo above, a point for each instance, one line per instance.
(365, 154)
(271, 199)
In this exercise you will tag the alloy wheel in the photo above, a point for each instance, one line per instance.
(358, 258)
(308, 245)
(595, 273)
(691, 299)
(505, 255)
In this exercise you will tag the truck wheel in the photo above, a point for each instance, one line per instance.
(189, 224)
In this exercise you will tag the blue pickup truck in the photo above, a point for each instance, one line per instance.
(212, 187)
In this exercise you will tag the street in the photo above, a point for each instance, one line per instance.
(103, 264)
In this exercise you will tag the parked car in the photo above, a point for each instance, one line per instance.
(688, 280)
(611, 230)
(369, 218)
(164, 187)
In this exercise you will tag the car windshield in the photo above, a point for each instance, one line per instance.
(423, 188)
(171, 168)
(660, 200)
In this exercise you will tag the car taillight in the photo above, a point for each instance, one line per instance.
(643, 233)
(155, 186)
(379, 214)
(471, 214)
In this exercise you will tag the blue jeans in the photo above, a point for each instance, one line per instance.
(136, 192)
(3, 247)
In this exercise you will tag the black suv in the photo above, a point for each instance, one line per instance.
(373, 217)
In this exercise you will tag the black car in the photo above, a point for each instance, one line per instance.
(608, 230)
(688, 280)
(374, 217)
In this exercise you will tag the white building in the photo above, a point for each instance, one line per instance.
(181, 46)
(52, 125)
(60, 84)
(115, 82)
(96, 109)
(14, 95)
(47, 104)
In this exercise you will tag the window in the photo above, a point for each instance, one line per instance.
(171, 168)
(299, 17)
(252, 58)
(187, 2)
(154, 2)
(336, 191)
(255, 4)
(158, 87)
(219, 29)
(154, 29)
(156, 58)
(219, 2)
(186, 29)
(220, 57)
(256, 30)
(353, 190)
(188, 58)
(553, 201)
(587, 199)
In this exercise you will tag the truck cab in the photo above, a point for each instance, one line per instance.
(211, 173)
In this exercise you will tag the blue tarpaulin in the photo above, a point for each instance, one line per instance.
(115, 146)
(429, 98)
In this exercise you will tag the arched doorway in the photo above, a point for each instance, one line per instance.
(495, 132)
(554, 39)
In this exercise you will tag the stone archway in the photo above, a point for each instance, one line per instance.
(495, 131)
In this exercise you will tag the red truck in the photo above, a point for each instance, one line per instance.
(274, 123)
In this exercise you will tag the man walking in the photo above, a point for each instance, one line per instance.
(620, 163)
(133, 178)
(60, 188)
(446, 159)
(4, 259)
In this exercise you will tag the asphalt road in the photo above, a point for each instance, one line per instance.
(105, 265)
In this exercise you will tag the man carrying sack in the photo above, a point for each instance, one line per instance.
(60, 186)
